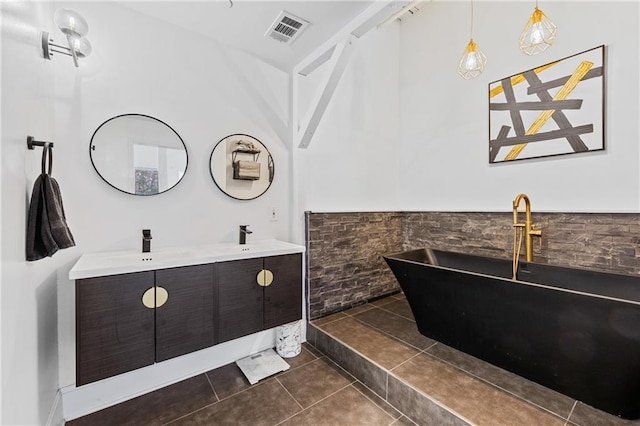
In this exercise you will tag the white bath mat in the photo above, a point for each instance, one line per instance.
(263, 364)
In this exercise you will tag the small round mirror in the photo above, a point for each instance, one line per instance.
(242, 167)
(138, 154)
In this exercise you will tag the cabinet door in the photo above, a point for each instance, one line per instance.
(240, 298)
(185, 322)
(283, 297)
(114, 330)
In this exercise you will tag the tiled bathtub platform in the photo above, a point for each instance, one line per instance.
(434, 384)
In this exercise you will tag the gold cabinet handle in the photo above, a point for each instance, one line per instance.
(162, 295)
(149, 298)
(155, 297)
(264, 278)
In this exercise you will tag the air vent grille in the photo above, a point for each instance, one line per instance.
(286, 28)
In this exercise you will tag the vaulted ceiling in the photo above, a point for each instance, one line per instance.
(243, 23)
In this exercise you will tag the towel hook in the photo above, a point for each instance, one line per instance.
(47, 152)
(32, 143)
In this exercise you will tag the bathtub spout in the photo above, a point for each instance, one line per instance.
(529, 227)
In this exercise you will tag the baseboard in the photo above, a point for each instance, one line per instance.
(56, 417)
(83, 400)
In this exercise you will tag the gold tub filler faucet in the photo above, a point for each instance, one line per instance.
(527, 229)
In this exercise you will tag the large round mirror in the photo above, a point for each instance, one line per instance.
(138, 154)
(242, 167)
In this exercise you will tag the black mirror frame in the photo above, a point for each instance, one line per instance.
(214, 179)
(186, 153)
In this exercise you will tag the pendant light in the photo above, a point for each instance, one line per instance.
(538, 34)
(473, 60)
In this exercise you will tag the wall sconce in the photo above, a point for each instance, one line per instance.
(473, 60)
(538, 33)
(74, 27)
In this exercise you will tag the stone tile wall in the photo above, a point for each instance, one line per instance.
(345, 267)
(344, 262)
(602, 241)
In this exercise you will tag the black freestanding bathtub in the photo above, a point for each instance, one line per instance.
(572, 330)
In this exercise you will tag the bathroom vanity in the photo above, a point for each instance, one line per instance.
(136, 309)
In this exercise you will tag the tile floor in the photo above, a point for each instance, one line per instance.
(314, 391)
(380, 352)
(432, 383)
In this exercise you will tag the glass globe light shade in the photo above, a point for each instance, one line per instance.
(70, 22)
(472, 62)
(538, 33)
(80, 45)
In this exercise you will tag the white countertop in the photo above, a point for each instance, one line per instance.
(123, 262)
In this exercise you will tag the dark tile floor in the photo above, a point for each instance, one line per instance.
(395, 365)
(435, 384)
(314, 391)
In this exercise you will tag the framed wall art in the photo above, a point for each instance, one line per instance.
(554, 109)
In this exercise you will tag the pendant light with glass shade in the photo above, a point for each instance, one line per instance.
(473, 60)
(538, 34)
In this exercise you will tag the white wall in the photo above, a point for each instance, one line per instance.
(408, 133)
(202, 90)
(444, 133)
(29, 305)
(351, 163)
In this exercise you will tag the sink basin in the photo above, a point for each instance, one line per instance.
(99, 264)
(155, 257)
(122, 262)
(258, 248)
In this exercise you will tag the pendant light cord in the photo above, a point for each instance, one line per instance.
(471, 30)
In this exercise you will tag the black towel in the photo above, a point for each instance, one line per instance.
(40, 242)
(55, 212)
(47, 229)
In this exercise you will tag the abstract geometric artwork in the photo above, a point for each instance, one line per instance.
(555, 109)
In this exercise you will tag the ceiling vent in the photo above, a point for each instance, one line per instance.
(286, 28)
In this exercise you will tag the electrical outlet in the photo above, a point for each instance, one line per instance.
(273, 215)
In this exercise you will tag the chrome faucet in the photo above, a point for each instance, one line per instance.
(146, 240)
(529, 227)
(243, 233)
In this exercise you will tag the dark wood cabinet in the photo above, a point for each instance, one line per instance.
(283, 297)
(114, 330)
(247, 305)
(185, 323)
(240, 298)
(129, 321)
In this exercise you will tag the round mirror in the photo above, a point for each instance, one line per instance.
(138, 154)
(241, 166)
